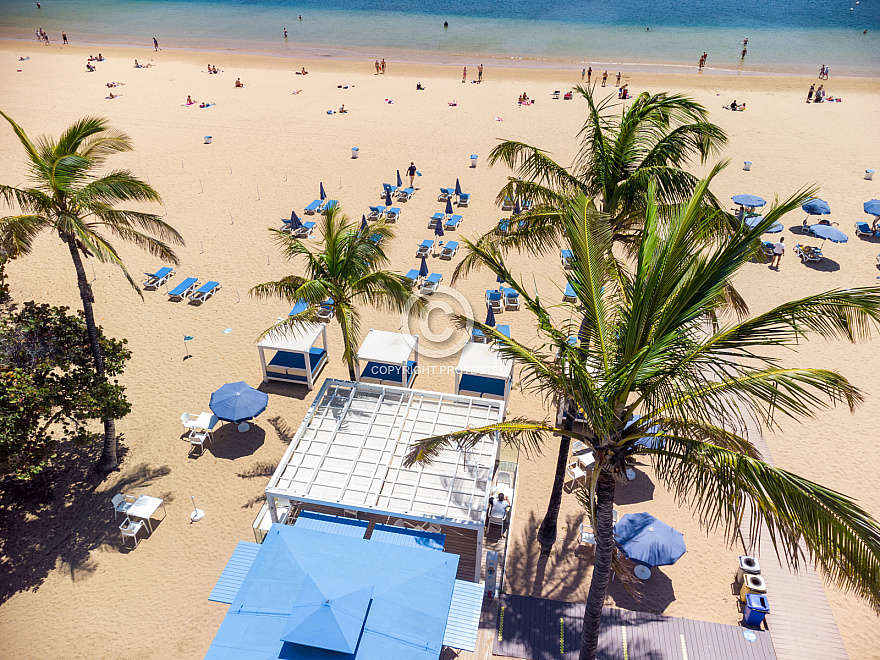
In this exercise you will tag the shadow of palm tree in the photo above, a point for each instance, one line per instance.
(284, 430)
(59, 517)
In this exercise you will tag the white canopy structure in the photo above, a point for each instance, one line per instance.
(482, 372)
(294, 349)
(347, 458)
(389, 358)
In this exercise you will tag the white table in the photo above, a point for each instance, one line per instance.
(144, 508)
(205, 422)
(585, 458)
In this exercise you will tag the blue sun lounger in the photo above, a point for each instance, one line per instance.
(329, 204)
(453, 222)
(504, 330)
(299, 308)
(511, 298)
(157, 279)
(431, 283)
(569, 295)
(424, 248)
(376, 212)
(185, 288)
(314, 207)
(449, 250)
(412, 276)
(305, 231)
(445, 193)
(464, 199)
(403, 195)
(437, 217)
(387, 187)
(566, 256)
(207, 290)
(392, 214)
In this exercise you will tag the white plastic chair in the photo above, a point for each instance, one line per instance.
(575, 471)
(503, 478)
(498, 520)
(121, 504)
(188, 419)
(586, 537)
(131, 528)
(198, 439)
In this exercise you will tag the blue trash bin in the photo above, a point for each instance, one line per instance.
(756, 608)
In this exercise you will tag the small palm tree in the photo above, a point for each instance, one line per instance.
(657, 370)
(69, 197)
(345, 273)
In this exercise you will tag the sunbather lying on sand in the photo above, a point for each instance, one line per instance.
(114, 96)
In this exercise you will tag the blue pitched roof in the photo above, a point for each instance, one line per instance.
(414, 538)
(323, 522)
(411, 595)
(236, 570)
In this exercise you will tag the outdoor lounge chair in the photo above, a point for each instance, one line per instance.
(504, 225)
(452, 223)
(449, 250)
(437, 217)
(204, 292)
(387, 187)
(130, 528)
(511, 298)
(555, 95)
(121, 504)
(376, 212)
(412, 277)
(464, 199)
(431, 283)
(507, 204)
(864, 229)
(567, 257)
(493, 300)
(478, 336)
(808, 253)
(392, 214)
(503, 329)
(445, 193)
(184, 289)
(768, 248)
(326, 313)
(314, 207)
(306, 231)
(404, 194)
(329, 204)
(569, 295)
(424, 248)
(157, 279)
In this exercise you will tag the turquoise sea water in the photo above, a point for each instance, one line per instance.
(789, 36)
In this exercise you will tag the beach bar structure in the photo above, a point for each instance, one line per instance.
(292, 350)
(388, 358)
(347, 459)
(482, 372)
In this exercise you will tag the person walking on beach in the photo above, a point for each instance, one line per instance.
(604, 78)
(377, 67)
(589, 73)
(156, 45)
(411, 172)
(383, 65)
(64, 37)
(821, 71)
(743, 55)
(480, 73)
(826, 73)
(778, 252)
(464, 74)
(810, 93)
(617, 84)
(285, 33)
(583, 73)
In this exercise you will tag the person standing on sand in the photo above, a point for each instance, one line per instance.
(64, 37)
(821, 71)
(617, 84)
(826, 73)
(480, 73)
(464, 74)
(377, 67)
(411, 172)
(583, 73)
(604, 78)
(589, 73)
(778, 252)
(383, 65)
(810, 93)
(156, 45)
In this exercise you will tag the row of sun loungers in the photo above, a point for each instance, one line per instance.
(189, 288)
(451, 223)
(320, 206)
(388, 213)
(449, 193)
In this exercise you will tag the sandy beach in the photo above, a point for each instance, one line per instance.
(62, 560)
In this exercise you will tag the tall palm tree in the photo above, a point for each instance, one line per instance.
(69, 196)
(343, 274)
(662, 369)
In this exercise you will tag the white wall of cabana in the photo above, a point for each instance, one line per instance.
(294, 357)
(388, 358)
(482, 372)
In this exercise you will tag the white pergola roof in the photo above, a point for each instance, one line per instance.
(387, 347)
(349, 452)
(298, 339)
(483, 360)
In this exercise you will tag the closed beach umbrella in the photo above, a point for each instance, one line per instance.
(749, 200)
(817, 207)
(323, 194)
(438, 229)
(448, 206)
(648, 541)
(388, 197)
(399, 181)
(829, 233)
(517, 209)
(423, 269)
(457, 188)
(363, 222)
(872, 207)
(755, 220)
(295, 222)
(237, 402)
(499, 279)
(490, 317)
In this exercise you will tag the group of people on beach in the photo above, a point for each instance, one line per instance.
(43, 38)
(823, 72)
(380, 66)
(816, 95)
(703, 59)
(213, 69)
(524, 99)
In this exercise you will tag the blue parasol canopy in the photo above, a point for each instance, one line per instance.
(388, 197)
(827, 232)
(399, 182)
(755, 220)
(457, 188)
(490, 317)
(323, 194)
(499, 279)
(817, 207)
(237, 402)
(749, 200)
(423, 269)
(448, 206)
(295, 222)
(872, 207)
(364, 224)
(648, 541)
(517, 209)
(438, 229)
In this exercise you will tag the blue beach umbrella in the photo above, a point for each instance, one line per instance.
(872, 207)
(827, 232)
(499, 279)
(295, 222)
(749, 200)
(399, 181)
(755, 220)
(490, 317)
(517, 209)
(648, 541)
(423, 269)
(457, 188)
(323, 194)
(816, 207)
(364, 224)
(388, 197)
(237, 402)
(438, 229)
(448, 206)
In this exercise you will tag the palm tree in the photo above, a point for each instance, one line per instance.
(662, 369)
(68, 196)
(343, 274)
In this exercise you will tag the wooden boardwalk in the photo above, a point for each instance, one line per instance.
(540, 629)
(800, 622)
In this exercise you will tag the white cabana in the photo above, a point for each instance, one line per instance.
(294, 350)
(482, 372)
(388, 358)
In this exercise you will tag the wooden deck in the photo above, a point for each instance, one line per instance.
(800, 621)
(540, 629)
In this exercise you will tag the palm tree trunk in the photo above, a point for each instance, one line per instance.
(347, 347)
(547, 530)
(107, 463)
(601, 567)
